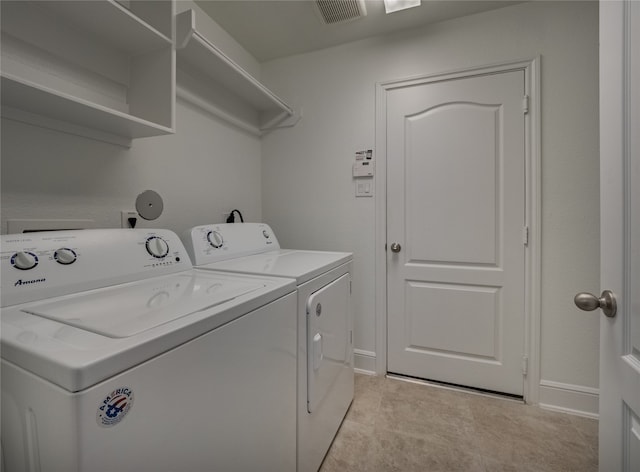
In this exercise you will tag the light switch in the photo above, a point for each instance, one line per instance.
(364, 187)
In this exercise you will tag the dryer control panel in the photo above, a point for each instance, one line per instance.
(53, 263)
(218, 242)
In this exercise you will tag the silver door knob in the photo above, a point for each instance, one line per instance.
(588, 302)
(395, 247)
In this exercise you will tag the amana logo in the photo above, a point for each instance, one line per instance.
(28, 282)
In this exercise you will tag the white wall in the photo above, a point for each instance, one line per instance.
(308, 194)
(206, 168)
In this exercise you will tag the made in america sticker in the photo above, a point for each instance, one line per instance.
(114, 407)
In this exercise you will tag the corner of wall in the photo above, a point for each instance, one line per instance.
(364, 362)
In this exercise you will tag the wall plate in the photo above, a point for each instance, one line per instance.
(364, 187)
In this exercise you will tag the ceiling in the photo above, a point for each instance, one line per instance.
(270, 29)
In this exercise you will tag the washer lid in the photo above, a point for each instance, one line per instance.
(71, 340)
(129, 309)
(300, 265)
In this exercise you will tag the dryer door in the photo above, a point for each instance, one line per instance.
(328, 338)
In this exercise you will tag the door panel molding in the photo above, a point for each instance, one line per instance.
(531, 68)
(479, 338)
(482, 245)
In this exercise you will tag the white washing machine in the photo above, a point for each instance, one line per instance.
(325, 334)
(117, 355)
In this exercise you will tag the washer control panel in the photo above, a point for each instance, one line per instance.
(47, 264)
(213, 243)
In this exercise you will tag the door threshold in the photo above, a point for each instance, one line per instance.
(457, 388)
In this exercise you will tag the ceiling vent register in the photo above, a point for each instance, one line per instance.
(339, 11)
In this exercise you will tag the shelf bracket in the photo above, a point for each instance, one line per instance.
(284, 120)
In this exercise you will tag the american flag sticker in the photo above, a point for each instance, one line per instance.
(114, 407)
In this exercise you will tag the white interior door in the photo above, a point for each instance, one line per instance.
(455, 221)
(620, 234)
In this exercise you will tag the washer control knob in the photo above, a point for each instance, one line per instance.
(65, 256)
(215, 239)
(265, 234)
(24, 260)
(157, 247)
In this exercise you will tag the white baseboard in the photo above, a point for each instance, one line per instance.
(364, 362)
(567, 398)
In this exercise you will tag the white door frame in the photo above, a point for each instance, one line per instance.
(531, 68)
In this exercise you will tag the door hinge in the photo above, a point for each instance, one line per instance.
(525, 235)
(525, 365)
(525, 104)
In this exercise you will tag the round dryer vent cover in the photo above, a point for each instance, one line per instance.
(149, 205)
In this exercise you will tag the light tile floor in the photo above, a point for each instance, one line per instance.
(394, 425)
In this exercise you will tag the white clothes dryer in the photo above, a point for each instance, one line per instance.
(118, 355)
(325, 333)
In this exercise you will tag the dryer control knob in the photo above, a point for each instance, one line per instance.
(157, 247)
(215, 239)
(24, 260)
(65, 256)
